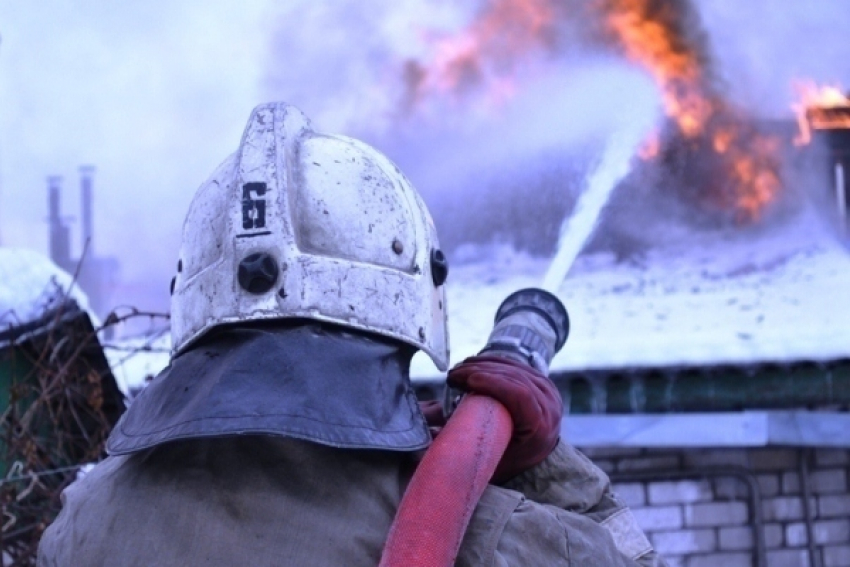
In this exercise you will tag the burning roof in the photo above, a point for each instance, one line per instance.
(820, 108)
(508, 37)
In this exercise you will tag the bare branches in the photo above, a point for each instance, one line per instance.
(124, 313)
(62, 404)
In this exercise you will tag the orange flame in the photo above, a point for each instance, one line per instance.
(820, 108)
(489, 53)
(651, 146)
(486, 54)
(652, 34)
(673, 66)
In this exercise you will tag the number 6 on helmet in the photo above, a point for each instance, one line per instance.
(298, 224)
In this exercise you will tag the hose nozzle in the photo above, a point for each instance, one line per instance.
(531, 326)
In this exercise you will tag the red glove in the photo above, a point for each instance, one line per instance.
(530, 397)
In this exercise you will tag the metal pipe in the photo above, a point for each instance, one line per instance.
(53, 183)
(86, 173)
(713, 472)
(60, 246)
(805, 489)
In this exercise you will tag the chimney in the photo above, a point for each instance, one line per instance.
(831, 125)
(86, 174)
(60, 246)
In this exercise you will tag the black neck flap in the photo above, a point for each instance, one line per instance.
(311, 381)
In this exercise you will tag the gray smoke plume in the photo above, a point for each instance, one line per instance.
(763, 47)
(155, 96)
(505, 169)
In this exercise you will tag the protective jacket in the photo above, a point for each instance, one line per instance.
(263, 500)
(293, 446)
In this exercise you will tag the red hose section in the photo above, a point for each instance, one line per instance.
(447, 485)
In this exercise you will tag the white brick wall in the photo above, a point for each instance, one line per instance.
(783, 508)
(679, 492)
(829, 481)
(768, 483)
(716, 514)
(701, 522)
(826, 532)
(774, 535)
(736, 538)
(832, 531)
(659, 518)
(788, 558)
(836, 556)
(720, 560)
(683, 542)
(834, 505)
(634, 494)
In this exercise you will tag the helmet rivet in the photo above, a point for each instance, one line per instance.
(398, 247)
(439, 267)
(422, 333)
(257, 272)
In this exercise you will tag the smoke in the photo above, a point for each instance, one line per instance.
(764, 47)
(156, 96)
(765, 50)
(494, 132)
(568, 112)
(341, 64)
(515, 175)
(500, 106)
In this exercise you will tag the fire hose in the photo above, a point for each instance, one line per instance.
(531, 326)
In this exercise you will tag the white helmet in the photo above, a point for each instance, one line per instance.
(298, 224)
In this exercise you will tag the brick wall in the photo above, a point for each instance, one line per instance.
(698, 514)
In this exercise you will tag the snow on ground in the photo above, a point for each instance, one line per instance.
(30, 285)
(734, 296)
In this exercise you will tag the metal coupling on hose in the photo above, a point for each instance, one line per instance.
(531, 326)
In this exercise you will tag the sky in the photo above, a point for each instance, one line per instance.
(155, 95)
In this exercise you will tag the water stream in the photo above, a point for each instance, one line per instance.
(578, 227)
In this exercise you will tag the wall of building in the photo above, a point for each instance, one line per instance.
(696, 506)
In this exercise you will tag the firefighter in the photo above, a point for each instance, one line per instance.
(285, 429)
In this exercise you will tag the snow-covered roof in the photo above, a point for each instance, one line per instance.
(31, 285)
(775, 294)
(779, 294)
